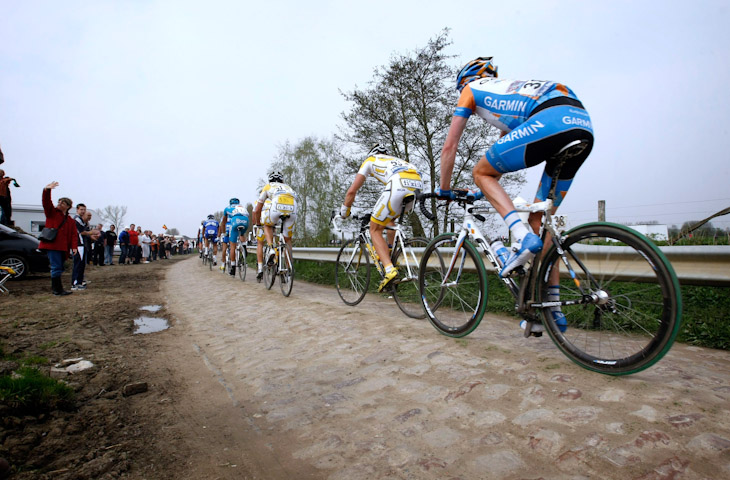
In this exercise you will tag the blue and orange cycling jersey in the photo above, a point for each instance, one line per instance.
(505, 103)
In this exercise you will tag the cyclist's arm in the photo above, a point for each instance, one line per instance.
(223, 222)
(352, 191)
(257, 212)
(448, 153)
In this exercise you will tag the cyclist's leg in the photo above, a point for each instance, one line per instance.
(259, 252)
(568, 169)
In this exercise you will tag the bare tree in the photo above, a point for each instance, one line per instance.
(172, 231)
(113, 215)
(408, 106)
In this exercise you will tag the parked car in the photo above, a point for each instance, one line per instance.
(19, 251)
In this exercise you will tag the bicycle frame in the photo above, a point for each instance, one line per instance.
(519, 290)
(365, 237)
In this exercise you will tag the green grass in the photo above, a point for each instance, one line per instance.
(705, 319)
(29, 390)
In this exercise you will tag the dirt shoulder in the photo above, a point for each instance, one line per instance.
(107, 434)
(249, 384)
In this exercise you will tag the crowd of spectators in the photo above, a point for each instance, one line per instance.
(93, 245)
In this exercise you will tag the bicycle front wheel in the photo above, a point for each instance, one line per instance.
(405, 288)
(241, 263)
(634, 307)
(454, 299)
(286, 276)
(352, 272)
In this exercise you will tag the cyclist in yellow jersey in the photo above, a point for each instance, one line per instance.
(401, 180)
(277, 201)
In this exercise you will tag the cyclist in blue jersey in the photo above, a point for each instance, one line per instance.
(210, 232)
(234, 216)
(538, 119)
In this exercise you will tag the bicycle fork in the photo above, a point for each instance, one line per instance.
(457, 249)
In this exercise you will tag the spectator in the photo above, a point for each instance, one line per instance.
(110, 239)
(124, 246)
(6, 199)
(153, 246)
(85, 234)
(89, 239)
(97, 255)
(66, 238)
(168, 247)
(161, 246)
(133, 243)
(144, 241)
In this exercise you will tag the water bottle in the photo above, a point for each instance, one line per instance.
(501, 251)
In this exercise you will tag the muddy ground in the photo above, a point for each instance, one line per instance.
(106, 434)
(249, 384)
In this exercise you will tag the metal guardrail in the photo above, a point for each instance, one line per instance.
(701, 265)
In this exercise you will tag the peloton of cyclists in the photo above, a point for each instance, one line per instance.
(238, 216)
(210, 231)
(401, 180)
(538, 119)
(276, 200)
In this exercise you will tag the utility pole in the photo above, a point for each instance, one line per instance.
(601, 210)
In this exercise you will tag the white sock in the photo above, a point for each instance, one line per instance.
(515, 225)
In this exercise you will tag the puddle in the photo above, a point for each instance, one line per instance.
(150, 324)
(151, 308)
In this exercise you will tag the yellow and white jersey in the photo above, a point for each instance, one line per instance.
(275, 189)
(383, 167)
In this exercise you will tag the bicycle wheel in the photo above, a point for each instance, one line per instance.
(636, 310)
(454, 301)
(286, 276)
(405, 288)
(241, 263)
(269, 271)
(210, 260)
(352, 272)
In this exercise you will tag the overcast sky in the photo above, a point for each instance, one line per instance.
(171, 107)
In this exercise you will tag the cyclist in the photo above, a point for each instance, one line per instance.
(282, 203)
(537, 119)
(401, 179)
(238, 216)
(210, 231)
(201, 238)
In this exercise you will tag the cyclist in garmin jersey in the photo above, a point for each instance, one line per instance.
(282, 205)
(210, 231)
(401, 180)
(234, 215)
(538, 119)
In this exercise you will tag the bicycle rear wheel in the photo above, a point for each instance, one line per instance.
(241, 263)
(269, 271)
(454, 301)
(210, 261)
(637, 308)
(405, 289)
(352, 272)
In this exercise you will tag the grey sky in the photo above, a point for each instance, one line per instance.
(172, 107)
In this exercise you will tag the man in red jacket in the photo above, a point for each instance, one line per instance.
(66, 239)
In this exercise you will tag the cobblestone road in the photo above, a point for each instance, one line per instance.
(364, 392)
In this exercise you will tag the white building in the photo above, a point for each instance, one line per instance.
(655, 232)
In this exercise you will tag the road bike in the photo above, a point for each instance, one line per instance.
(281, 265)
(353, 266)
(619, 293)
(208, 256)
(241, 254)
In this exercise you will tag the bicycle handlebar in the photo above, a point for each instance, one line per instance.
(459, 196)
